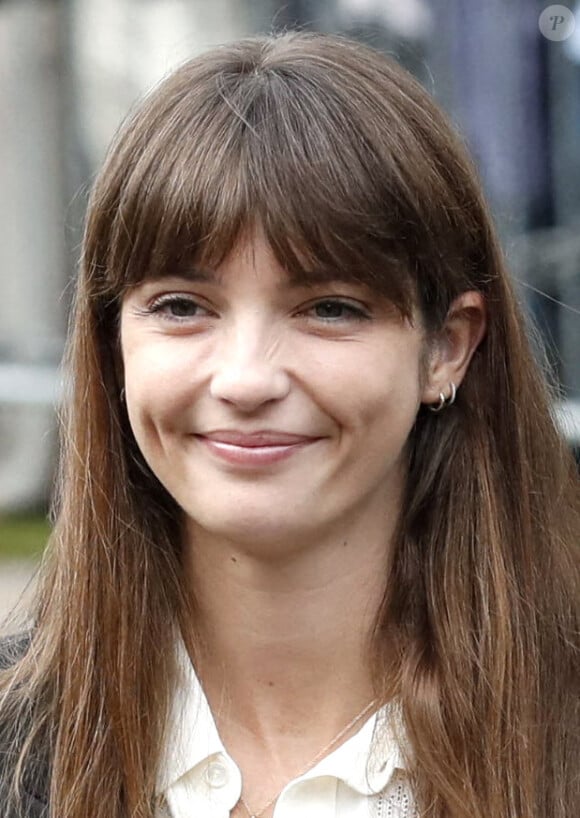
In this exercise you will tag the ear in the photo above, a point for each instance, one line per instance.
(454, 345)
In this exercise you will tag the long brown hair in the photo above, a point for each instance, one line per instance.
(347, 164)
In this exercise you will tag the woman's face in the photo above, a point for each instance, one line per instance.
(269, 409)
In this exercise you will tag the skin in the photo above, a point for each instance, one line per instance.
(287, 561)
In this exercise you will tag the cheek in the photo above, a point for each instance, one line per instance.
(152, 398)
(378, 390)
(156, 377)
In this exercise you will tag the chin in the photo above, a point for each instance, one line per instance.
(260, 532)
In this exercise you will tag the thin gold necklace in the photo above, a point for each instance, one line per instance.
(257, 813)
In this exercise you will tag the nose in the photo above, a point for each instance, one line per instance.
(247, 371)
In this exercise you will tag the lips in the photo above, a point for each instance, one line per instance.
(256, 439)
(252, 450)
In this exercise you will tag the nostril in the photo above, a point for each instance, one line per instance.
(248, 387)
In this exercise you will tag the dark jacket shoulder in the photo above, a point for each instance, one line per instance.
(13, 648)
(34, 798)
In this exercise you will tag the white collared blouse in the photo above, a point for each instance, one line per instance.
(198, 778)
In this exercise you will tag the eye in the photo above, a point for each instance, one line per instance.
(176, 307)
(333, 310)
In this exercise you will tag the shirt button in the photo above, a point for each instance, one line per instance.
(216, 774)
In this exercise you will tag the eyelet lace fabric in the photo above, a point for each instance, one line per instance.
(397, 800)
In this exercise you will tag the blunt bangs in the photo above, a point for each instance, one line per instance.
(275, 133)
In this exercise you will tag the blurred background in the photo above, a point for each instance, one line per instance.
(71, 69)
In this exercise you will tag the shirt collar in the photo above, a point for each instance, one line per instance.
(356, 762)
(192, 734)
(192, 737)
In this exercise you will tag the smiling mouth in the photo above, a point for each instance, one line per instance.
(253, 453)
(264, 437)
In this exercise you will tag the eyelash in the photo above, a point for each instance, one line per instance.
(159, 306)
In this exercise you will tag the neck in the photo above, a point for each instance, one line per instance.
(289, 636)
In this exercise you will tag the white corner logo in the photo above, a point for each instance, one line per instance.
(557, 23)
